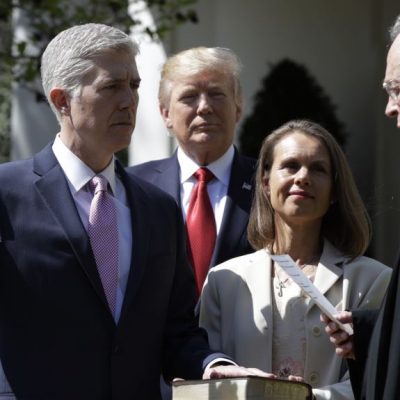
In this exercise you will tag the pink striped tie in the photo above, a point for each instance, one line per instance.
(103, 235)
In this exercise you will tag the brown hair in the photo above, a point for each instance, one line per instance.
(346, 224)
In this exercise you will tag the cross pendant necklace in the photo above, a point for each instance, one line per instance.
(280, 286)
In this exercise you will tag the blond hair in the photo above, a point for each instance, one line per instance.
(197, 60)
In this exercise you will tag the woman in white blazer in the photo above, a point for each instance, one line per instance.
(306, 205)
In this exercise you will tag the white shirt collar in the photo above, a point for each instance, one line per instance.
(76, 171)
(221, 168)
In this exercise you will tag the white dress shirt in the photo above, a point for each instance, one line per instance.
(78, 174)
(217, 188)
(217, 191)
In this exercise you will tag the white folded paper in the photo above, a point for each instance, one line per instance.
(294, 271)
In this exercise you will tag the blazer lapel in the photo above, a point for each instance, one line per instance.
(53, 188)
(140, 235)
(168, 177)
(329, 269)
(237, 208)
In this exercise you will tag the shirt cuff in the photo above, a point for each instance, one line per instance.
(219, 361)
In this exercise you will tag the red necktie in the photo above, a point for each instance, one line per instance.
(200, 224)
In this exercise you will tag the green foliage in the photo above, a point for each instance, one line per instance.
(44, 19)
(169, 14)
(288, 92)
(5, 113)
(5, 85)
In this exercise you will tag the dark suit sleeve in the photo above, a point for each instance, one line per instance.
(186, 350)
(363, 323)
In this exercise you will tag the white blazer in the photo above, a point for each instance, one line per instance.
(236, 312)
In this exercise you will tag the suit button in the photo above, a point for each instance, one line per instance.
(316, 330)
(314, 378)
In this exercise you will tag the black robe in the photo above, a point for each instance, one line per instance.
(375, 374)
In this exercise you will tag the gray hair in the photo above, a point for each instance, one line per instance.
(394, 30)
(71, 54)
(197, 60)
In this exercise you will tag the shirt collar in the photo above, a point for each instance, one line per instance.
(76, 171)
(221, 168)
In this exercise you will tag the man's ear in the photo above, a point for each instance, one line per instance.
(60, 99)
(165, 115)
(239, 109)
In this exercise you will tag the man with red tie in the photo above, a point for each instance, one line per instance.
(201, 102)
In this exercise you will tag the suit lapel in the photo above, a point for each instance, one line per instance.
(329, 269)
(53, 188)
(140, 235)
(168, 177)
(236, 213)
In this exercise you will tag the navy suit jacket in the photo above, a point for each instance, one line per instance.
(58, 339)
(232, 239)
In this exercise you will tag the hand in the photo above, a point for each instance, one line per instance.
(295, 378)
(231, 371)
(342, 340)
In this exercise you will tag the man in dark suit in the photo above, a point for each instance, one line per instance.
(374, 349)
(96, 294)
(201, 103)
